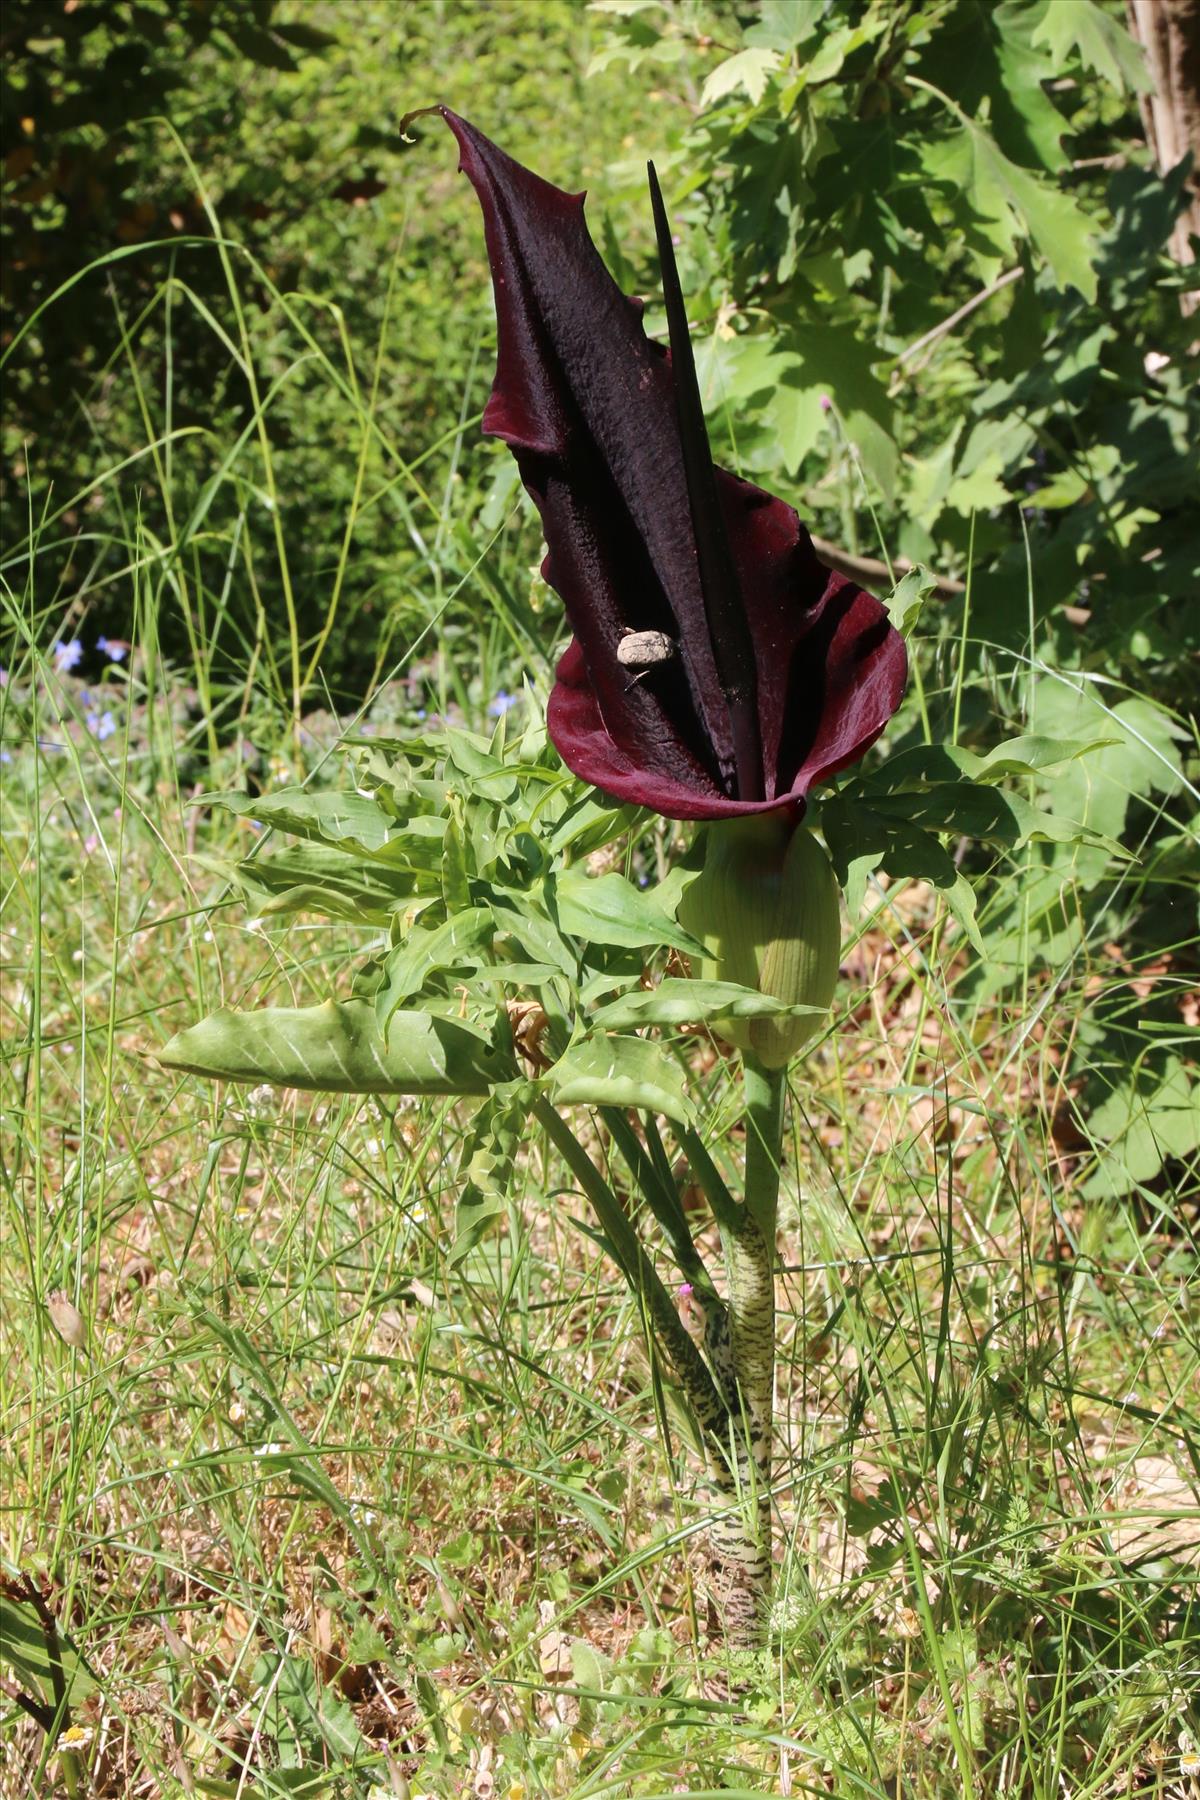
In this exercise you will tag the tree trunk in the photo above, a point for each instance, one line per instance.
(1169, 32)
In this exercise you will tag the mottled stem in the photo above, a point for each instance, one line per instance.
(741, 1537)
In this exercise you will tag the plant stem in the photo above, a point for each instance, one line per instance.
(741, 1538)
(765, 1090)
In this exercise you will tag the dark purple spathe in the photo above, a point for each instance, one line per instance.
(586, 403)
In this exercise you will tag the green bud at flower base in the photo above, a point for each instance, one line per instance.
(765, 905)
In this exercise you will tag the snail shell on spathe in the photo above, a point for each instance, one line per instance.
(643, 649)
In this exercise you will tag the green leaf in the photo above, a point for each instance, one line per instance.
(470, 755)
(1023, 114)
(27, 1649)
(782, 24)
(497, 1132)
(319, 878)
(929, 477)
(1061, 230)
(961, 904)
(1009, 203)
(620, 1071)
(338, 818)
(817, 360)
(979, 492)
(519, 917)
(985, 57)
(589, 824)
(1031, 755)
(907, 599)
(608, 909)
(996, 443)
(591, 1669)
(990, 815)
(319, 1716)
(861, 839)
(1141, 757)
(747, 72)
(797, 420)
(925, 765)
(455, 884)
(1152, 1115)
(457, 946)
(675, 1002)
(339, 1048)
(1100, 41)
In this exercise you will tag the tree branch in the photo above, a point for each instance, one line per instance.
(869, 568)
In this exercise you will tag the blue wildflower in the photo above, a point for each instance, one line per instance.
(101, 725)
(114, 648)
(66, 656)
(500, 705)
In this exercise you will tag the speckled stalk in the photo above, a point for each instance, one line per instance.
(741, 1535)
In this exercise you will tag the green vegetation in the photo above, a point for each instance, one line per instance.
(353, 1466)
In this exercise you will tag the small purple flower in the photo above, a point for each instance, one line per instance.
(66, 656)
(5, 756)
(101, 725)
(826, 403)
(114, 648)
(500, 705)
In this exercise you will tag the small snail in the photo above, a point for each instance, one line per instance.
(643, 651)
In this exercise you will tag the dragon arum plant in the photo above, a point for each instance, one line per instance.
(717, 673)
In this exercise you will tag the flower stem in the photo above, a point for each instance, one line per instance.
(765, 1090)
(741, 1538)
